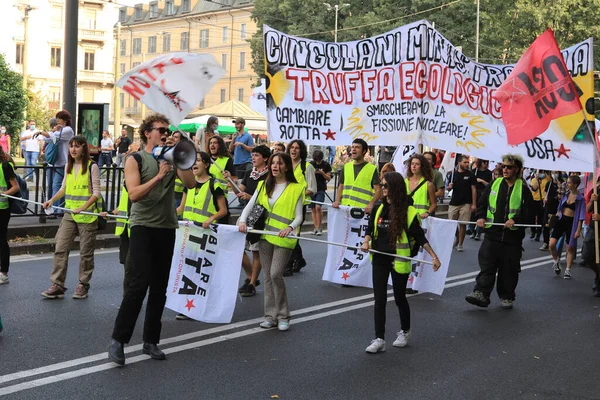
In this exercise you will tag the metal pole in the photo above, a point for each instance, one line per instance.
(117, 105)
(477, 35)
(231, 56)
(337, 10)
(70, 66)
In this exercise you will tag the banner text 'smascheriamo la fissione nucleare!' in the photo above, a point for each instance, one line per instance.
(411, 85)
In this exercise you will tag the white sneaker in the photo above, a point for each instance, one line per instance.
(376, 346)
(3, 278)
(402, 339)
(459, 247)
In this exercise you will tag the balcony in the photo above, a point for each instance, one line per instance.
(105, 78)
(92, 35)
(98, 2)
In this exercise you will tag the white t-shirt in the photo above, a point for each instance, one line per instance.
(32, 144)
(107, 143)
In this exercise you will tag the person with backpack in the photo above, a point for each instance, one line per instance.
(395, 228)
(8, 186)
(81, 190)
(56, 151)
(419, 185)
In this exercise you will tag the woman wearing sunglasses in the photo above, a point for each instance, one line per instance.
(394, 228)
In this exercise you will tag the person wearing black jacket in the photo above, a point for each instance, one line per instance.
(501, 249)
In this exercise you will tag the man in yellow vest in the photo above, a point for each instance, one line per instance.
(506, 201)
(359, 181)
(539, 188)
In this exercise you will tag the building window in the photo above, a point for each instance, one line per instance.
(241, 94)
(222, 95)
(123, 14)
(170, 7)
(225, 34)
(54, 98)
(56, 18)
(242, 60)
(153, 10)
(152, 44)
(123, 47)
(122, 99)
(185, 5)
(138, 12)
(89, 61)
(19, 58)
(224, 61)
(204, 38)
(55, 57)
(137, 46)
(122, 68)
(90, 16)
(184, 43)
(243, 31)
(166, 42)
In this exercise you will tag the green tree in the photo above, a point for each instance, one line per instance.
(12, 100)
(37, 108)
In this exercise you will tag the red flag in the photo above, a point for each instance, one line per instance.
(538, 90)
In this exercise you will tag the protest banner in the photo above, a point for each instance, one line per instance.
(353, 267)
(402, 154)
(412, 85)
(172, 84)
(205, 272)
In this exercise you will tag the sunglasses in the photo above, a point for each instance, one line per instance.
(509, 166)
(385, 186)
(162, 130)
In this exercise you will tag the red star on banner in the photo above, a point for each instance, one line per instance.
(190, 304)
(345, 276)
(562, 151)
(329, 134)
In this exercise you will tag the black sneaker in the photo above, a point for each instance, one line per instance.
(288, 271)
(299, 264)
(242, 288)
(477, 236)
(250, 291)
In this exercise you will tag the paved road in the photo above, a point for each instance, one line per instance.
(545, 348)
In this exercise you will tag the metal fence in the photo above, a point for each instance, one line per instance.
(40, 187)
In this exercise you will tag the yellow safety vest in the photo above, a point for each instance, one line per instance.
(404, 244)
(282, 214)
(302, 179)
(514, 203)
(3, 188)
(217, 174)
(122, 212)
(178, 185)
(358, 192)
(420, 197)
(199, 205)
(77, 193)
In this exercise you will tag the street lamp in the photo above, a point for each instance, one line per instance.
(337, 9)
(26, 9)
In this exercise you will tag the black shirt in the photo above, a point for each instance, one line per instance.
(523, 216)
(250, 183)
(217, 192)
(124, 144)
(461, 190)
(321, 182)
(486, 176)
(382, 242)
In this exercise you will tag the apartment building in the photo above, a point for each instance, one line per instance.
(45, 47)
(220, 27)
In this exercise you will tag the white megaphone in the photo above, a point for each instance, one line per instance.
(182, 155)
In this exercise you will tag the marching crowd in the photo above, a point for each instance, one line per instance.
(276, 187)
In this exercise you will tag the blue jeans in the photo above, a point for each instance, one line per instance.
(55, 177)
(31, 158)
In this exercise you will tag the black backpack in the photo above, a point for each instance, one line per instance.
(16, 206)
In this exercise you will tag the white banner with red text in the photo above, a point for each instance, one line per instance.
(411, 85)
(205, 272)
(353, 267)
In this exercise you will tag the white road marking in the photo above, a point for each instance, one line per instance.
(229, 336)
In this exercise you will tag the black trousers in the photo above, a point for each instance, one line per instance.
(538, 213)
(382, 268)
(297, 252)
(4, 248)
(503, 259)
(151, 252)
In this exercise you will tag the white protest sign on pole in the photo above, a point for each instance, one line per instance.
(447, 164)
(412, 84)
(353, 267)
(172, 84)
(205, 272)
(402, 154)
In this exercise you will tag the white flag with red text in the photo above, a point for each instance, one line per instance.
(205, 272)
(172, 84)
